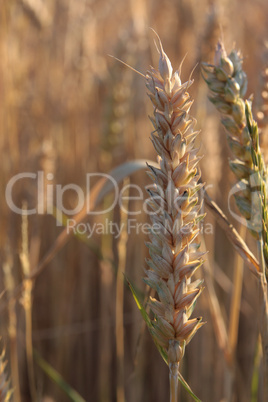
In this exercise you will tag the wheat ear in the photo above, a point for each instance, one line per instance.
(174, 255)
(228, 83)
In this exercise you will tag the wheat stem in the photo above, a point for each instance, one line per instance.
(28, 337)
(261, 258)
(27, 303)
(12, 326)
(119, 303)
(5, 389)
(173, 381)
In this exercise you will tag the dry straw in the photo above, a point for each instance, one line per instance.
(5, 391)
(173, 249)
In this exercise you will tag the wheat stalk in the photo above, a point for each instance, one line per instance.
(174, 202)
(9, 282)
(227, 82)
(5, 391)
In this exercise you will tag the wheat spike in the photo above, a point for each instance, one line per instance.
(228, 83)
(175, 215)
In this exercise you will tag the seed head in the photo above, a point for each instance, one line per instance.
(173, 259)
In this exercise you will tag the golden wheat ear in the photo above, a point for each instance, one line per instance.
(174, 254)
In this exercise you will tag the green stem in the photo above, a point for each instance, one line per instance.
(173, 381)
(261, 258)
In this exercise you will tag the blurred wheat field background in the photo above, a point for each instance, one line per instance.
(68, 109)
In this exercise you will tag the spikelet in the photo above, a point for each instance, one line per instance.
(175, 214)
(228, 83)
(259, 180)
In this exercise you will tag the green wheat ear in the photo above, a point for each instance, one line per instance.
(227, 83)
(260, 179)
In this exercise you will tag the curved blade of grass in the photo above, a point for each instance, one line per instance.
(58, 379)
(160, 349)
(93, 198)
(92, 245)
